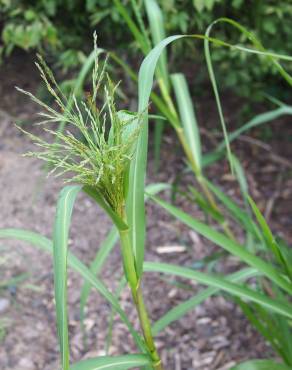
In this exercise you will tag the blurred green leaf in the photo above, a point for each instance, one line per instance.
(112, 363)
(260, 365)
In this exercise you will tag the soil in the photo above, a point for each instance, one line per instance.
(213, 336)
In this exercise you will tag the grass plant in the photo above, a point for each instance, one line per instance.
(103, 152)
(174, 102)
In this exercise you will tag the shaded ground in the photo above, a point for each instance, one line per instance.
(213, 336)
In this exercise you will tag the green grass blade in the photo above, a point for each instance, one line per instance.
(242, 217)
(14, 281)
(135, 201)
(60, 250)
(211, 157)
(240, 176)
(259, 50)
(86, 68)
(258, 120)
(157, 100)
(263, 224)
(216, 93)
(270, 334)
(137, 6)
(257, 44)
(278, 306)
(261, 365)
(227, 244)
(157, 142)
(188, 117)
(138, 35)
(46, 245)
(285, 339)
(180, 310)
(155, 188)
(269, 237)
(37, 240)
(112, 363)
(201, 201)
(156, 24)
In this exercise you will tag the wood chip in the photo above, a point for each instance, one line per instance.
(170, 249)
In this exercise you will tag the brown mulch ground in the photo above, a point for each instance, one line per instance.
(213, 336)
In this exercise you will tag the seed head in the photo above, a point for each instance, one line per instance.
(97, 143)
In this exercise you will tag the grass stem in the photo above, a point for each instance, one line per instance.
(137, 294)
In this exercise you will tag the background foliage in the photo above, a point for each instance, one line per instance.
(64, 30)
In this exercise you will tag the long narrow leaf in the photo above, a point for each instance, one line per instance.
(261, 365)
(180, 310)
(188, 117)
(227, 244)
(112, 363)
(135, 201)
(256, 43)
(156, 24)
(139, 37)
(269, 332)
(259, 50)
(237, 290)
(216, 93)
(60, 248)
(258, 120)
(270, 240)
(237, 213)
(159, 127)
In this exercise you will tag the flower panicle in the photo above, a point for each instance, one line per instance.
(96, 146)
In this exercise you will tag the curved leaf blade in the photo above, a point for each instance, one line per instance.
(257, 44)
(138, 35)
(135, 204)
(156, 24)
(181, 309)
(258, 120)
(135, 201)
(261, 365)
(188, 117)
(227, 244)
(112, 363)
(280, 307)
(60, 250)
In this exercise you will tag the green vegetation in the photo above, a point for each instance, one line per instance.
(102, 151)
(60, 28)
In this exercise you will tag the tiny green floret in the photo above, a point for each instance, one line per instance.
(97, 144)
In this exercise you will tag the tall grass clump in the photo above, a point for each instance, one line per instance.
(103, 152)
(95, 150)
(172, 96)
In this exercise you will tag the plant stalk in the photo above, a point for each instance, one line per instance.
(135, 286)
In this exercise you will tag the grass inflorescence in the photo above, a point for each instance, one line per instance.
(97, 144)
